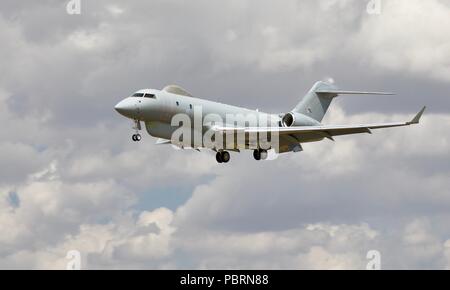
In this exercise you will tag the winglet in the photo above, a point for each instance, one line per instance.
(416, 119)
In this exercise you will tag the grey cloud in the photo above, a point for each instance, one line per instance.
(145, 47)
(83, 184)
(388, 184)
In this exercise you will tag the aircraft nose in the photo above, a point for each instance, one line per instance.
(125, 107)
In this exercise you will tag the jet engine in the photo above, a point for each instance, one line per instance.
(293, 119)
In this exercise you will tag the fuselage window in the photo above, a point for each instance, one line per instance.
(150, 96)
(138, 95)
(178, 103)
(190, 106)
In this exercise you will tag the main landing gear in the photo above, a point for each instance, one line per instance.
(260, 154)
(223, 156)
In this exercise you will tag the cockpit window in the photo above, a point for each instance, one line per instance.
(150, 96)
(138, 95)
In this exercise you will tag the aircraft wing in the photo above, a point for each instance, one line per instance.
(327, 131)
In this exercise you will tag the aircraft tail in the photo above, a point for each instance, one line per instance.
(316, 102)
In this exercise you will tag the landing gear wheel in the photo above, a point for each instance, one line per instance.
(263, 154)
(260, 154)
(219, 157)
(257, 154)
(136, 137)
(225, 156)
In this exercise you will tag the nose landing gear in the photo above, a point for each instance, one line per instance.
(136, 137)
(137, 126)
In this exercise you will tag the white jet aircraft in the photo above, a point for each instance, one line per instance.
(157, 108)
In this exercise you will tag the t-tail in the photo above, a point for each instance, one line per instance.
(316, 102)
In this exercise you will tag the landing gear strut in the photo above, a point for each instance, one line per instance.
(137, 126)
(223, 156)
(260, 154)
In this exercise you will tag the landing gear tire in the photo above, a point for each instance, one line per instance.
(223, 156)
(257, 154)
(219, 157)
(264, 154)
(260, 154)
(136, 137)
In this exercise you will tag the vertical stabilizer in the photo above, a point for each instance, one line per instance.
(316, 102)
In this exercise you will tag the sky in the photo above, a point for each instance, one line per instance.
(72, 179)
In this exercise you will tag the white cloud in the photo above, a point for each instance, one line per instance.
(125, 243)
(115, 10)
(145, 246)
(313, 246)
(88, 41)
(80, 183)
(408, 37)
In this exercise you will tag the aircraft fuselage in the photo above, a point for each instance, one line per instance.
(172, 110)
(157, 113)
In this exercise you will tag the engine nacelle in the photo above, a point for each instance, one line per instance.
(293, 119)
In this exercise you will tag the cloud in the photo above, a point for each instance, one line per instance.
(311, 246)
(403, 39)
(127, 241)
(381, 162)
(73, 179)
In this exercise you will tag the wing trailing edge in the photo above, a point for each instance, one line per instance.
(327, 131)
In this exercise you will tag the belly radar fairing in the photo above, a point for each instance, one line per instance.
(175, 117)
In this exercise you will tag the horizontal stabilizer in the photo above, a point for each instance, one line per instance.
(318, 99)
(338, 92)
